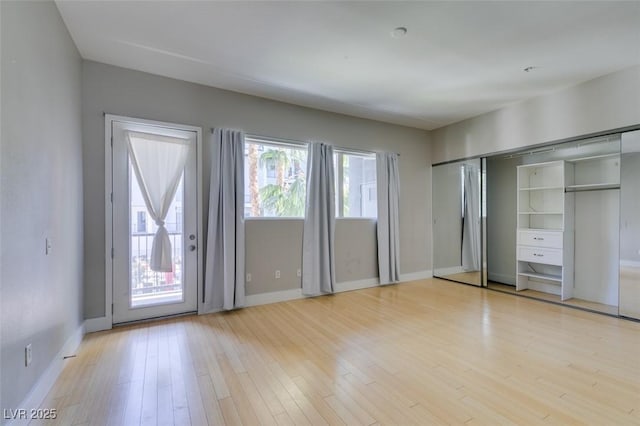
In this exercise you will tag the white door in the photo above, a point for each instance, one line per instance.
(139, 292)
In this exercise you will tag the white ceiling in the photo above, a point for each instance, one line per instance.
(458, 59)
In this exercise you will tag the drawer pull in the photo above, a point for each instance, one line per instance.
(538, 238)
(538, 255)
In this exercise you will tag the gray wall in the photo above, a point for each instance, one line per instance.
(276, 244)
(605, 103)
(41, 195)
(501, 219)
(137, 94)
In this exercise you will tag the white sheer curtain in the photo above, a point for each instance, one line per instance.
(318, 261)
(388, 182)
(158, 163)
(224, 285)
(471, 224)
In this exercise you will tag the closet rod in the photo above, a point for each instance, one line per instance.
(603, 188)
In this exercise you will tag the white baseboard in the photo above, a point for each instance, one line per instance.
(273, 297)
(296, 293)
(415, 276)
(97, 324)
(450, 271)
(356, 285)
(502, 278)
(41, 388)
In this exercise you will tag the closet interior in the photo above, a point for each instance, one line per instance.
(559, 223)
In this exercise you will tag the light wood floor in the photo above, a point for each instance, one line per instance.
(428, 352)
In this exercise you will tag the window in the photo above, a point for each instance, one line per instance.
(275, 179)
(356, 191)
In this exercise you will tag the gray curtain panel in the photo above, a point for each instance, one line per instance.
(318, 253)
(224, 285)
(388, 182)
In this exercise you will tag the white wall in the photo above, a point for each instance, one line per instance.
(41, 194)
(605, 103)
(137, 94)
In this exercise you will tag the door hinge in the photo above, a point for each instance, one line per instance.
(111, 141)
(112, 252)
(111, 197)
(112, 309)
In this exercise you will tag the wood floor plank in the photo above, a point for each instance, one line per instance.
(427, 352)
(229, 411)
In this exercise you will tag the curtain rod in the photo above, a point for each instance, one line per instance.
(303, 143)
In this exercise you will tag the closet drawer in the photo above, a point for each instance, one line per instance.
(540, 255)
(540, 238)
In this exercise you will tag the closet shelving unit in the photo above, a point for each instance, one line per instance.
(545, 228)
(546, 212)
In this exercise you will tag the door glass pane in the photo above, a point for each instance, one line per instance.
(148, 287)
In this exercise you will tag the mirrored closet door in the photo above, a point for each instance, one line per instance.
(457, 221)
(630, 225)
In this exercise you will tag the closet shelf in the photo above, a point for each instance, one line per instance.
(541, 188)
(592, 187)
(548, 277)
(540, 213)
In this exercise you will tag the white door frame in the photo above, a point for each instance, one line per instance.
(108, 214)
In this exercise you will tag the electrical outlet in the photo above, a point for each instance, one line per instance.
(277, 274)
(249, 277)
(299, 273)
(28, 355)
